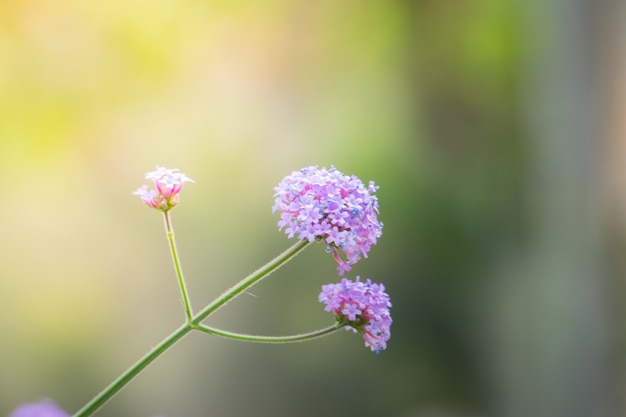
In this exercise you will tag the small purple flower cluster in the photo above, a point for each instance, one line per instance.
(168, 184)
(362, 307)
(321, 204)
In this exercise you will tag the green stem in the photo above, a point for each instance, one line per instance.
(131, 372)
(193, 323)
(269, 339)
(179, 272)
(250, 280)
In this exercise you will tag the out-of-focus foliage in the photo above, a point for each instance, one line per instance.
(433, 100)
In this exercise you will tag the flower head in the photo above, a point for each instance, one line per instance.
(362, 307)
(326, 205)
(45, 408)
(168, 183)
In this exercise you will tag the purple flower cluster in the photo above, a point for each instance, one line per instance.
(168, 184)
(321, 204)
(362, 307)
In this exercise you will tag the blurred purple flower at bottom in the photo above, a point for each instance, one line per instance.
(45, 408)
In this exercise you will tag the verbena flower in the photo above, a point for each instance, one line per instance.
(362, 307)
(168, 183)
(45, 408)
(326, 205)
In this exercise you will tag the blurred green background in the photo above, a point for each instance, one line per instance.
(494, 129)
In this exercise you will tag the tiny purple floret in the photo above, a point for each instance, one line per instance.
(362, 307)
(168, 183)
(45, 408)
(326, 205)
